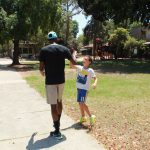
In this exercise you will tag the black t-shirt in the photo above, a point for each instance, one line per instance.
(54, 56)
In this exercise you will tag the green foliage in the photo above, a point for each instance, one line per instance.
(134, 25)
(108, 27)
(2, 18)
(39, 38)
(74, 28)
(69, 28)
(3, 31)
(119, 11)
(119, 35)
(80, 40)
(99, 29)
(117, 39)
(25, 17)
(131, 43)
(123, 45)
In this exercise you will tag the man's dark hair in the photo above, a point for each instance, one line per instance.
(90, 58)
(52, 40)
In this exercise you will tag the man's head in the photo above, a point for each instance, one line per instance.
(52, 37)
(87, 60)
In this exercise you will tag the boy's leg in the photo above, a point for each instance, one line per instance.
(85, 107)
(82, 109)
(92, 117)
(83, 102)
(83, 117)
(80, 101)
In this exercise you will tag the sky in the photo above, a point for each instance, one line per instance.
(81, 19)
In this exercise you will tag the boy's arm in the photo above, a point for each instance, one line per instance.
(95, 83)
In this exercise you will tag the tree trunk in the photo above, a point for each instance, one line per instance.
(67, 24)
(94, 46)
(67, 29)
(16, 53)
(116, 53)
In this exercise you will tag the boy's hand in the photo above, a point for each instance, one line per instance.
(94, 86)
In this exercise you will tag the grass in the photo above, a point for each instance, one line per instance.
(120, 102)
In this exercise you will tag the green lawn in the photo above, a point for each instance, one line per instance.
(121, 103)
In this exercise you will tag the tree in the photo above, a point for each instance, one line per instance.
(3, 32)
(119, 11)
(70, 8)
(25, 17)
(97, 29)
(39, 39)
(74, 28)
(130, 45)
(117, 40)
(134, 25)
(80, 40)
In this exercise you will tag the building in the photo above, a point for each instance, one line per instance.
(87, 50)
(142, 33)
(102, 51)
(27, 49)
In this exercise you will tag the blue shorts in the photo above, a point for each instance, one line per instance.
(81, 95)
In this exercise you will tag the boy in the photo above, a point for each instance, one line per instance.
(84, 75)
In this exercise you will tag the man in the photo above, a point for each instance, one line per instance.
(52, 65)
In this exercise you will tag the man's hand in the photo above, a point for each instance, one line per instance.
(73, 63)
(42, 68)
(42, 73)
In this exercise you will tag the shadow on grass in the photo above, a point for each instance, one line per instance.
(21, 67)
(43, 143)
(122, 66)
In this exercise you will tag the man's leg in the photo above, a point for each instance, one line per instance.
(54, 112)
(59, 109)
(60, 90)
(55, 118)
(51, 91)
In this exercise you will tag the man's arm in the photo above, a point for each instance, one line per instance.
(70, 58)
(42, 68)
(73, 63)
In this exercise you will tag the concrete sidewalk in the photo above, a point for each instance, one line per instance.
(25, 120)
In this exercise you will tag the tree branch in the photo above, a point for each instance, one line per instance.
(76, 13)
